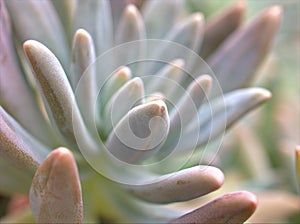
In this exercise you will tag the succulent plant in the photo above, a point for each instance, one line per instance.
(135, 115)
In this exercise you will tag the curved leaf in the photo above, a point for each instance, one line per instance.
(224, 112)
(234, 207)
(14, 149)
(15, 94)
(57, 94)
(45, 27)
(140, 133)
(129, 95)
(180, 186)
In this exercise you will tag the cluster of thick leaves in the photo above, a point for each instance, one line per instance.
(29, 131)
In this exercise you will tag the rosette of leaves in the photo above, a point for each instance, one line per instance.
(45, 123)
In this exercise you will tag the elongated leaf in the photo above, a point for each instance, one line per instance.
(167, 80)
(129, 95)
(131, 26)
(45, 27)
(224, 112)
(111, 86)
(114, 83)
(234, 207)
(159, 16)
(65, 10)
(55, 194)
(180, 186)
(13, 149)
(95, 18)
(83, 55)
(117, 8)
(220, 26)
(140, 133)
(186, 112)
(191, 101)
(15, 94)
(55, 89)
(188, 33)
(236, 60)
(40, 150)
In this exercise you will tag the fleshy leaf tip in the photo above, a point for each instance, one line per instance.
(275, 11)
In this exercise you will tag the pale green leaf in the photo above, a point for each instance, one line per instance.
(57, 93)
(45, 27)
(128, 96)
(183, 185)
(159, 16)
(131, 26)
(140, 133)
(225, 111)
(16, 96)
(95, 18)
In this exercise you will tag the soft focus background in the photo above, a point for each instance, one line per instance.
(258, 153)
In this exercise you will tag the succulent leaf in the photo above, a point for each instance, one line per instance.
(131, 26)
(166, 13)
(142, 143)
(221, 26)
(239, 56)
(188, 32)
(55, 89)
(234, 207)
(14, 149)
(55, 194)
(118, 8)
(83, 55)
(140, 133)
(184, 113)
(15, 94)
(95, 18)
(195, 95)
(129, 95)
(224, 112)
(46, 29)
(114, 83)
(167, 80)
(65, 10)
(180, 186)
(40, 150)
